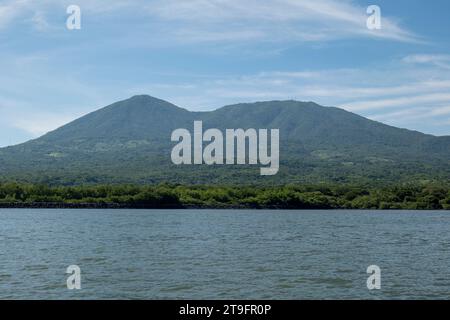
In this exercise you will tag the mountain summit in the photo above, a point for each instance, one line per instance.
(129, 142)
(139, 116)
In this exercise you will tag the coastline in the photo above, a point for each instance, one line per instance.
(55, 205)
(112, 206)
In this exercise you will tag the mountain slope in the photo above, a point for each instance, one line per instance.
(313, 124)
(137, 117)
(129, 142)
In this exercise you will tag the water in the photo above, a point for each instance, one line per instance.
(154, 254)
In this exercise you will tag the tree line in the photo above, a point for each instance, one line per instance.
(415, 197)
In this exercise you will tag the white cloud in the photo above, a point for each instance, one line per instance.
(351, 89)
(40, 22)
(226, 20)
(271, 20)
(403, 95)
(417, 113)
(398, 102)
(440, 111)
(11, 10)
(417, 86)
(439, 60)
(40, 123)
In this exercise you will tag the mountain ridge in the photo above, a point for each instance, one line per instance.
(129, 142)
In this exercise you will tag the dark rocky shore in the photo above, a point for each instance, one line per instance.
(56, 205)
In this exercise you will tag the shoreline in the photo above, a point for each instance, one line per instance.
(115, 206)
(55, 205)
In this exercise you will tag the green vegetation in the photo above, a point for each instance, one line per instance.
(429, 196)
(119, 156)
(128, 142)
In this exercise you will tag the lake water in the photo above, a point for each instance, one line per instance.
(230, 254)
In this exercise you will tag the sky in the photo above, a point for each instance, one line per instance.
(205, 54)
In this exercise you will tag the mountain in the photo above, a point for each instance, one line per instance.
(129, 142)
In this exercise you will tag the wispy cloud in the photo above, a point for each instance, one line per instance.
(10, 10)
(399, 94)
(62, 75)
(227, 21)
(399, 101)
(271, 20)
(40, 22)
(440, 60)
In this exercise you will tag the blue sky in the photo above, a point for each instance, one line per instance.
(204, 54)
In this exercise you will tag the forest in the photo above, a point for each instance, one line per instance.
(428, 196)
